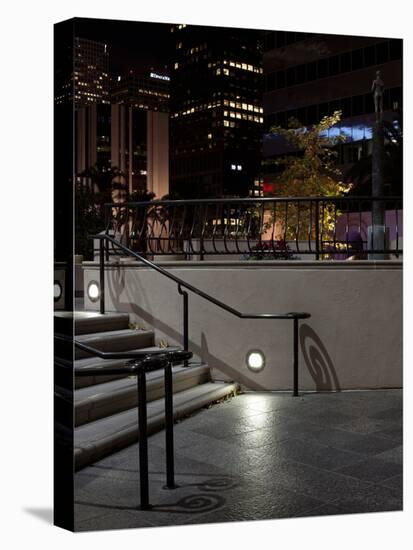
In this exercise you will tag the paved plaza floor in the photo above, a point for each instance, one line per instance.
(258, 456)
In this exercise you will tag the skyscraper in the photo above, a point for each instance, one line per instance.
(139, 130)
(89, 80)
(216, 111)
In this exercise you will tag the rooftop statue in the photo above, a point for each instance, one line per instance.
(377, 89)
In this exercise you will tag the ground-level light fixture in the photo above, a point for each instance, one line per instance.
(93, 291)
(255, 360)
(57, 290)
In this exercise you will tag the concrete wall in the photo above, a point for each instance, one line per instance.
(352, 340)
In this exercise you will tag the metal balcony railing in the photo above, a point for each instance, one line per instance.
(259, 228)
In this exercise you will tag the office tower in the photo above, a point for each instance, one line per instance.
(216, 111)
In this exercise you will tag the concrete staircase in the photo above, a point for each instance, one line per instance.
(105, 406)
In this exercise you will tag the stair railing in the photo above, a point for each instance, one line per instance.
(138, 364)
(105, 240)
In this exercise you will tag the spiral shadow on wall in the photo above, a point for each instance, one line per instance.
(318, 360)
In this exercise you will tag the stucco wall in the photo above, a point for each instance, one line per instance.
(353, 339)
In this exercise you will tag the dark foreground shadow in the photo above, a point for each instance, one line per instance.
(318, 360)
(44, 514)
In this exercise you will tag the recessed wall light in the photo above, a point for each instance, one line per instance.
(255, 360)
(93, 291)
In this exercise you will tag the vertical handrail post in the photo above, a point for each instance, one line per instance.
(102, 274)
(143, 440)
(169, 428)
(185, 321)
(295, 364)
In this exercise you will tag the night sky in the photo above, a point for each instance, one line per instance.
(133, 45)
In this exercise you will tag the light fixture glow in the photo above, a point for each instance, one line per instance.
(93, 291)
(57, 291)
(255, 360)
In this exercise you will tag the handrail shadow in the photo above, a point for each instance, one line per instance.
(318, 360)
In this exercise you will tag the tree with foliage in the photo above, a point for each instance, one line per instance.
(310, 170)
(91, 193)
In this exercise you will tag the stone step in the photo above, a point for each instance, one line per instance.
(80, 364)
(116, 340)
(87, 322)
(105, 399)
(103, 437)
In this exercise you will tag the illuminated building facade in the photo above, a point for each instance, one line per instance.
(308, 76)
(140, 130)
(149, 92)
(91, 72)
(89, 81)
(216, 111)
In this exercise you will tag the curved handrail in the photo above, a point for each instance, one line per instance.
(181, 283)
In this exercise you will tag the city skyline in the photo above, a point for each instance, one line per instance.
(304, 75)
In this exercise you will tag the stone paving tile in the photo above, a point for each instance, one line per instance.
(113, 520)
(395, 482)
(395, 432)
(394, 414)
(359, 443)
(394, 454)
(372, 469)
(313, 454)
(284, 504)
(367, 425)
(374, 498)
(307, 480)
(329, 417)
(329, 509)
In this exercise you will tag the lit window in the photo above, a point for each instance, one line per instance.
(176, 65)
(218, 71)
(250, 68)
(244, 66)
(233, 166)
(226, 123)
(209, 136)
(226, 72)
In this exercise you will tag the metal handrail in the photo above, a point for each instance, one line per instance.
(180, 282)
(139, 364)
(295, 316)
